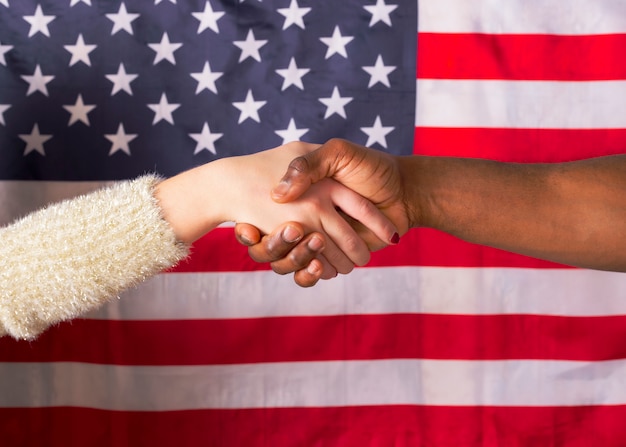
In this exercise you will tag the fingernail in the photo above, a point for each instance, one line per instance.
(316, 243)
(290, 234)
(280, 189)
(313, 268)
(244, 240)
(395, 238)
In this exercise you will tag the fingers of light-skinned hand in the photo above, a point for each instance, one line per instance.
(364, 211)
(328, 271)
(372, 241)
(352, 251)
(343, 236)
(247, 234)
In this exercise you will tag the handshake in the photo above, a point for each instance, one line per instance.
(339, 201)
(334, 205)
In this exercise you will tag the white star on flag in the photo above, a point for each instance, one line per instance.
(76, 2)
(79, 111)
(122, 20)
(4, 2)
(164, 50)
(37, 82)
(120, 140)
(39, 22)
(80, 51)
(250, 47)
(163, 110)
(156, 2)
(121, 80)
(380, 12)
(377, 133)
(34, 141)
(335, 104)
(293, 75)
(205, 139)
(208, 18)
(249, 108)
(291, 133)
(336, 43)
(293, 15)
(206, 79)
(3, 108)
(3, 50)
(379, 72)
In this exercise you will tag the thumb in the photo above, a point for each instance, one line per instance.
(302, 172)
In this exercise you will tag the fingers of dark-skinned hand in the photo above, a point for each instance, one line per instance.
(318, 268)
(310, 275)
(300, 256)
(288, 252)
(278, 244)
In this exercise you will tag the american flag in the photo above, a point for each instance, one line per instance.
(435, 343)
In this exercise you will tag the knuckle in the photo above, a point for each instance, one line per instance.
(299, 165)
(345, 269)
(298, 260)
(276, 268)
(274, 247)
(354, 244)
(255, 255)
(366, 208)
(340, 263)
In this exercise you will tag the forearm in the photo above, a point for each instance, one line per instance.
(67, 259)
(572, 213)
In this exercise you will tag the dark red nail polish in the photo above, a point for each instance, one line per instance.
(395, 238)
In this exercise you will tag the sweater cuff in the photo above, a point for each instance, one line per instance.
(71, 257)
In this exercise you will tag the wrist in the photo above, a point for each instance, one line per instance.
(191, 201)
(413, 172)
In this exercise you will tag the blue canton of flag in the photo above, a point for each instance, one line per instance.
(107, 90)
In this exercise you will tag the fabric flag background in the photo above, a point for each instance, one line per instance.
(435, 343)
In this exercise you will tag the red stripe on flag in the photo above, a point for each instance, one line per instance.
(345, 337)
(372, 426)
(520, 57)
(218, 251)
(519, 145)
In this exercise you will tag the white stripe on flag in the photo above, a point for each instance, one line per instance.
(574, 17)
(314, 384)
(521, 104)
(370, 291)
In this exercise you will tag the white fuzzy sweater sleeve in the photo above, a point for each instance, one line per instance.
(71, 257)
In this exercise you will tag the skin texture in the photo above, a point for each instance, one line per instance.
(297, 254)
(571, 213)
(238, 189)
